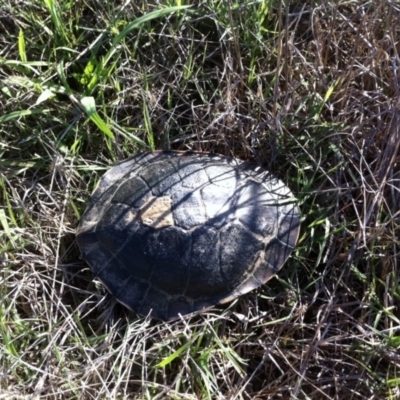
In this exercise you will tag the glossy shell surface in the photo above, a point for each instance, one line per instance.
(172, 233)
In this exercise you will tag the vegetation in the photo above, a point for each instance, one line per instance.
(310, 90)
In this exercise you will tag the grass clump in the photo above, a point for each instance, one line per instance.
(309, 90)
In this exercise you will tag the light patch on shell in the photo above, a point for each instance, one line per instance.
(129, 217)
(157, 212)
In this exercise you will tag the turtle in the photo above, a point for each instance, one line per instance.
(171, 233)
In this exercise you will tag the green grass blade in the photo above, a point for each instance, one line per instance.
(145, 18)
(63, 78)
(21, 46)
(47, 94)
(4, 222)
(128, 135)
(137, 23)
(55, 13)
(21, 113)
(173, 356)
(89, 106)
(14, 63)
(147, 124)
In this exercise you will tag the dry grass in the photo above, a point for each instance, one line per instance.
(309, 90)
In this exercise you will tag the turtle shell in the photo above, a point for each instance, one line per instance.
(172, 232)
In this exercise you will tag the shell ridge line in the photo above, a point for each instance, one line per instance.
(113, 256)
(255, 235)
(151, 189)
(105, 264)
(147, 184)
(147, 205)
(258, 261)
(129, 237)
(111, 259)
(190, 266)
(222, 273)
(292, 226)
(114, 188)
(148, 289)
(104, 208)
